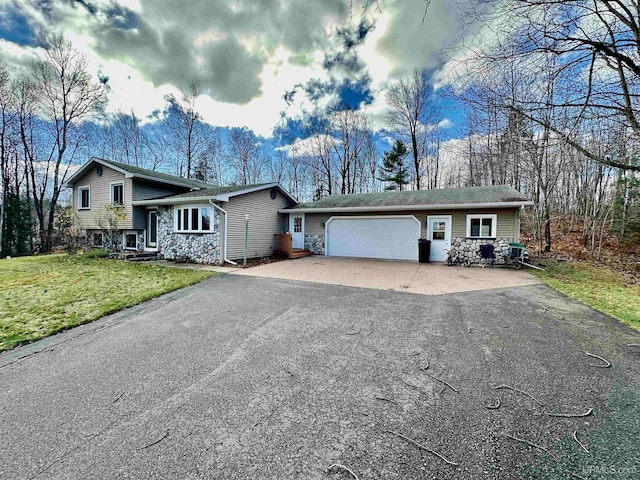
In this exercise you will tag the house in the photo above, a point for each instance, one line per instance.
(143, 210)
(119, 205)
(387, 225)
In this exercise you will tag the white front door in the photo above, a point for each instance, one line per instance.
(439, 232)
(296, 227)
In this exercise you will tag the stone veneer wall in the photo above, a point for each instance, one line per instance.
(314, 243)
(115, 243)
(192, 247)
(463, 249)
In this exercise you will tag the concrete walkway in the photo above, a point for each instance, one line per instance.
(429, 279)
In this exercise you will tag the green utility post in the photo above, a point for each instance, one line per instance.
(246, 238)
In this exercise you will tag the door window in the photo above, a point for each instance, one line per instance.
(297, 224)
(438, 230)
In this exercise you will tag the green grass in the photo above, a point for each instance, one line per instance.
(43, 295)
(599, 287)
(614, 451)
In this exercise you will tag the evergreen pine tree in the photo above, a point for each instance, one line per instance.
(393, 168)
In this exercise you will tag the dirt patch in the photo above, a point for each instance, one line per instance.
(255, 262)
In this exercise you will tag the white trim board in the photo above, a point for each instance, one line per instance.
(392, 208)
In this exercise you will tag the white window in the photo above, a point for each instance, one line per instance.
(84, 198)
(193, 220)
(482, 226)
(117, 193)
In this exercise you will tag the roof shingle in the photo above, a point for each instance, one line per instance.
(445, 196)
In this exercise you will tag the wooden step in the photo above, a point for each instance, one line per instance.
(299, 253)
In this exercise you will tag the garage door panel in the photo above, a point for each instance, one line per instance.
(374, 237)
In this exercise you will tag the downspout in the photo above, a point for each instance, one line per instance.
(224, 253)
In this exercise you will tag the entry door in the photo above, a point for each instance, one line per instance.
(152, 229)
(439, 232)
(297, 230)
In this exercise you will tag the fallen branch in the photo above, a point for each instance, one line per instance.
(493, 407)
(607, 362)
(419, 445)
(166, 434)
(337, 465)
(352, 333)
(520, 391)
(119, 397)
(575, 475)
(633, 344)
(385, 399)
(425, 359)
(575, 437)
(442, 381)
(371, 330)
(531, 444)
(571, 415)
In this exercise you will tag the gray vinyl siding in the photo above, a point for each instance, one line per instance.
(264, 222)
(507, 220)
(99, 196)
(139, 218)
(145, 190)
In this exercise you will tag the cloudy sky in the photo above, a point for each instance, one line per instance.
(260, 63)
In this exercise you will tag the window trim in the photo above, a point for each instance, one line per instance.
(178, 211)
(111, 185)
(80, 190)
(93, 239)
(481, 216)
(124, 240)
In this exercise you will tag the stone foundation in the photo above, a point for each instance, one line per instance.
(187, 247)
(468, 249)
(314, 243)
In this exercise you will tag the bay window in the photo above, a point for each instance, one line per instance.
(193, 220)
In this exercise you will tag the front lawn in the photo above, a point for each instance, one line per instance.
(599, 287)
(43, 295)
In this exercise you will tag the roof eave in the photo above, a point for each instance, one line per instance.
(84, 168)
(173, 201)
(224, 197)
(160, 180)
(394, 208)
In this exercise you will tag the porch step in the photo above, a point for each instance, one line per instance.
(135, 256)
(299, 252)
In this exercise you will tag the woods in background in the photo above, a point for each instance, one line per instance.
(549, 105)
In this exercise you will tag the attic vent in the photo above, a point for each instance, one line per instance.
(273, 194)
(99, 170)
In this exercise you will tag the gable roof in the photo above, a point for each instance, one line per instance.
(446, 198)
(219, 194)
(131, 171)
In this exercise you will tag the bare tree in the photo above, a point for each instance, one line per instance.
(593, 50)
(410, 115)
(58, 95)
(6, 120)
(351, 136)
(191, 138)
(244, 156)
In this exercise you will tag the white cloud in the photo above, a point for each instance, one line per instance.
(245, 55)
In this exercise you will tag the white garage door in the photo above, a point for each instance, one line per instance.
(390, 237)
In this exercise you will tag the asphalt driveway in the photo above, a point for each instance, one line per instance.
(243, 377)
(412, 277)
